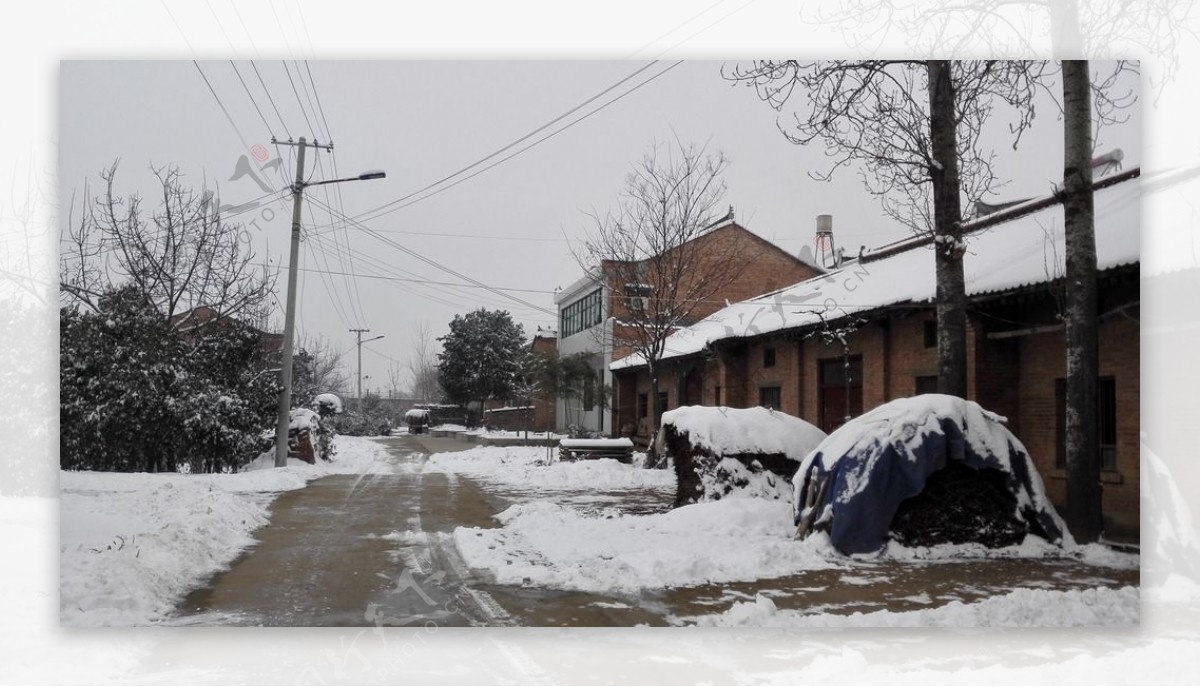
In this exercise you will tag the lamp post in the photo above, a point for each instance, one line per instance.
(289, 318)
(361, 341)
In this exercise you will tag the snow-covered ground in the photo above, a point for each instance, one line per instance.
(537, 467)
(1018, 608)
(556, 542)
(551, 545)
(133, 544)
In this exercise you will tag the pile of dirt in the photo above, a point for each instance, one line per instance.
(959, 505)
(702, 475)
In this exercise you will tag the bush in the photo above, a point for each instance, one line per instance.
(137, 396)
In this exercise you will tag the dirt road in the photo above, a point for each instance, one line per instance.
(375, 549)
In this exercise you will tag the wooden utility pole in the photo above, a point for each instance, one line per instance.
(289, 316)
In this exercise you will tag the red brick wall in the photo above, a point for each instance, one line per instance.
(1014, 377)
(1043, 360)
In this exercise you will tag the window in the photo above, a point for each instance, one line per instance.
(768, 397)
(585, 313)
(931, 334)
(637, 297)
(1106, 422)
(662, 401)
(927, 384)
(643, 409)
(768, 357)
(717, 395)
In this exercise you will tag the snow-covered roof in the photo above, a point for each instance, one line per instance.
(1025, 250)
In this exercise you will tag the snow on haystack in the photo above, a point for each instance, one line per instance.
(742, 452)
(862, 476)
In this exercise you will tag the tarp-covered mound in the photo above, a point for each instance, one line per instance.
(893, 461)
(745, 452)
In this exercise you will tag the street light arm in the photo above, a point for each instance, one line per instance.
(365, 176)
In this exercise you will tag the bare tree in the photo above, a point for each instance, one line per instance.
(1073, 28)
(656, 255)
(322, 366)
(1083, 512)
(422, 365)
(394, 376)
(916, 132)
(183, 256)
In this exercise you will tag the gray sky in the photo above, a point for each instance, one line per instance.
(510, 226)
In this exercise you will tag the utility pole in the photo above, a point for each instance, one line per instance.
(358, 333)
(289, 316)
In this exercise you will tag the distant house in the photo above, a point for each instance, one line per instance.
(194, 322)
(590, 308)
(785, 350)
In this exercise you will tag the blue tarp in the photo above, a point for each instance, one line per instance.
(861, 516)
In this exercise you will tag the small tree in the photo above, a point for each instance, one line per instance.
(657, 272)
(481, 356)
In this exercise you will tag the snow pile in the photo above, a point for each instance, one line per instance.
(862, 473)
(537, 467)
(729, 431)
(303, 418)
(328, 404)
(1019, 608)
(546, 544)
(133, 544)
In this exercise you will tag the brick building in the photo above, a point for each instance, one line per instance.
(593, 309)
(785, 350)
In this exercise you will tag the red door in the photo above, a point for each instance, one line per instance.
(840, 392)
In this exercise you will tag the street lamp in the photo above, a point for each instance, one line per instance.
(289, 318)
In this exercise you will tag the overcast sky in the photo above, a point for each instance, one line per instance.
(509, 227)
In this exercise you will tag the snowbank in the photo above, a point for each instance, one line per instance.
(1018, 608)
(546, 544)
(536, 467)
(870, 465)
(729, 431)
(133, 544)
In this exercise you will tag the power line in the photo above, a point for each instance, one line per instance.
(320, 107)
(400, 203)
(222, 106)
(272, 100)
(438, 265)
(298, 101)
(251, 96)
(468, 299)
(415, 280)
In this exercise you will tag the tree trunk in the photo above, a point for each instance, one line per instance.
(1084, 515)
(951, 286)
(1066, 39)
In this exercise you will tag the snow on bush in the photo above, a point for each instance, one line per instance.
(547, 544)
(742, 452)
(862, 473)
(133, 544)
(1019, 608)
